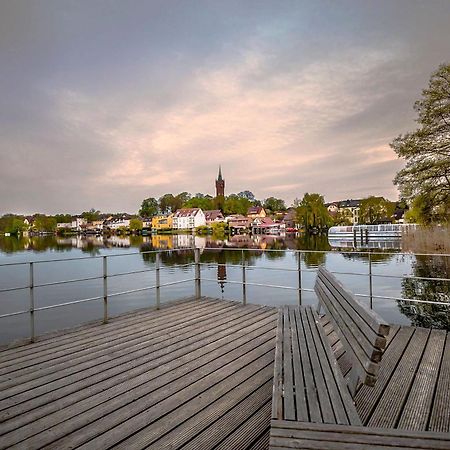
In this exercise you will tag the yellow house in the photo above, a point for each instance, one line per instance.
(162, 222)
(255, 212)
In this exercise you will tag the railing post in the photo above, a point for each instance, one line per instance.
(158, 280)
(198, 287)
(299, 268)
(32, 330)
(244, 286)
(105, 290)
(370, 282)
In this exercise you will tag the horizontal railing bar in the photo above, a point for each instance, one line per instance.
(254, 284)
(75, 280)
(147, 288)
(14, 314)
(410, 277)
(429, 302)
(74, 302)
(14, 289)
(112, 275)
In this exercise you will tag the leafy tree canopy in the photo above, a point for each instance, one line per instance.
(149, 207)
(311, 212)
(91, 215)
(274, 204)
(136, 224)
(427, 151)
(375, 209)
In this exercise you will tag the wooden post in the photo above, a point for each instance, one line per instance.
(370, 282)
(32, 328)
(244, 286)
(198, 287)
(299, 268)
(158, 280)
(105, 290)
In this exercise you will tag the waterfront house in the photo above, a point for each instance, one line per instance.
(214, 216)
(64, 225)
(289, 219)
(78, 224)
(265, 225)
(256, 211)
(188, 219)
(238, 222)
(117, 222)
(162, 222)
(351, 206)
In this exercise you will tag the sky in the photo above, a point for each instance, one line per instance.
(104, 103)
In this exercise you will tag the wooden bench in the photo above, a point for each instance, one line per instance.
(308, 383)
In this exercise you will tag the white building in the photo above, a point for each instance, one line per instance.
(78, 223)
(188, 219)
(115, 224)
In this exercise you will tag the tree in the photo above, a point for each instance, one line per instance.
(44, 223)
(274, 204)
(91, 215)
(205, 202)
(136, 224)
(375, 209)
(343, 217)
(166, 203)
(63, 218)
(149, 207)
(427, 150)
(312, 212)
(248, 195)
(12, 224)
(234, 204)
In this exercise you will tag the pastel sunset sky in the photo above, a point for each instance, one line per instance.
(104, 103)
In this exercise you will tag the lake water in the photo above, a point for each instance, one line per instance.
(127, 254)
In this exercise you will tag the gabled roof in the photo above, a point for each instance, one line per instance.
(255, 210)
(213, 214)
(186, 212)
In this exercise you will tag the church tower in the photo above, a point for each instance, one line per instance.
(220, 185)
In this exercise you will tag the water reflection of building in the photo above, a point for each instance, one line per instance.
(382, 244)
(162, 241)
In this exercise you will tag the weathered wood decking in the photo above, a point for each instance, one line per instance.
(413, 387)
(197, 375)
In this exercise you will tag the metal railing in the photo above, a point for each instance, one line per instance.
(198, 279)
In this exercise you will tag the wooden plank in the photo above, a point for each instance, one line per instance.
(21, 384)
(367, 397)
(200, 339)
(67, 336)
(288, 376)
(301, 404)
(417, 409)
(311, 391)
(372, 346)
(277, 397)
(154, 374)
(319, 380)
(440, 414)
(53, 357)
(114, 406)
(362, 363)
(337, 382)
(183, 424)
(369, 316)
(394, 396)
(249, 430)
(307, 435)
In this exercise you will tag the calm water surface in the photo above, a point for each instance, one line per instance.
(335, 255)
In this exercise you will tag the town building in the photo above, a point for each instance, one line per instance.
(238, 222)
(256, 211)
(162, 222)
(188, 219)
(214, 216)
(350, 205)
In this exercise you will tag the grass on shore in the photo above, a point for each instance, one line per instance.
(435, 239)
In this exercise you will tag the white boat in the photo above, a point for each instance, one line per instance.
(366, 232)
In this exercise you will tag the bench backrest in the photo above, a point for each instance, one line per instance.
(361, 331)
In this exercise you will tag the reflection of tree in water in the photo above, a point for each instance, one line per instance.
(426, 314)
(12, 244)
(376, 258)
(318, 243)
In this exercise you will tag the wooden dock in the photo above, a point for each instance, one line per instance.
(198, 374)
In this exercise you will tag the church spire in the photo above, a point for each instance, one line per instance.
(220, 184)
(219, 178)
